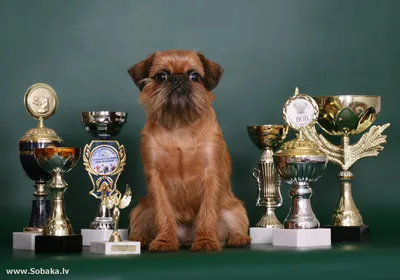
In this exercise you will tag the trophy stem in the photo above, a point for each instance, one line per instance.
(103, 219)
(301, 215)
(57, 224)
(268, 194)
(40, 208)
(115, 237)
(347, 213)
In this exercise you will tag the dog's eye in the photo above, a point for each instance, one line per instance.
(194, 77)
(161, 77)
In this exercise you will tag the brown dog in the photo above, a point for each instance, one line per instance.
(186, 161)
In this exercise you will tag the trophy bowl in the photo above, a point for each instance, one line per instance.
(347, 114)
(54, 158)
(270, 136)
(103, 124)
(57, 161)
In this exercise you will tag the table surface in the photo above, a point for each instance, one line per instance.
(376, 259)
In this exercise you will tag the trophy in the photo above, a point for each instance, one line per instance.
(104, 160)
(347, 115)
(115, 245)
(267, 138)
(58, 235)
(299, 162)
(41, 103)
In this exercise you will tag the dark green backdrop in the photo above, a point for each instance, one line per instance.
(267, 48)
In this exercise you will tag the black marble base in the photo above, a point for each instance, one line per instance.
(39, 213)
(349, 234)
(58, 244)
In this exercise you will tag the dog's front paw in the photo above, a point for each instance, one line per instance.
(239, 241)
(138, 238)
(161, 245)
(205, 244)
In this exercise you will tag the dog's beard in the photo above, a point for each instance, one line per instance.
(172, 108)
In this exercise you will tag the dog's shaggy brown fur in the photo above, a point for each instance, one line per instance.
(186, 160)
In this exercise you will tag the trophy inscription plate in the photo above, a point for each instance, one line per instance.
(104, 161)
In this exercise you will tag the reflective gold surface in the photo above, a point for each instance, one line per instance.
(346, 115)
(267, 138)
(117, 202)
(270, 136)
(57, 161)
(41, 103)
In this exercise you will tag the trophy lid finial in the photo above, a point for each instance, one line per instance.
(41, 103)
(300, 112)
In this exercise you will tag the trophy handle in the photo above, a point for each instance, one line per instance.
(278, 191)
(256, 176)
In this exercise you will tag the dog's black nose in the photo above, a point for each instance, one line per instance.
(177, 80)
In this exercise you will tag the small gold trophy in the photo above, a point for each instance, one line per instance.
(267, 138)
(115, 245)
(344, 116)
(104, 160)
(58, 235)
(41, 103)
(299, 163)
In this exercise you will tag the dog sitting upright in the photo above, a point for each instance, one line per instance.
(186, 160)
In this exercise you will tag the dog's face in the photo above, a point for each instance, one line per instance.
(176, 86)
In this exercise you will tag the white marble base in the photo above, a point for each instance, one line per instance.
(100, 235)
(24, 240)
(261, 235)
(318, 237)
(115, 248)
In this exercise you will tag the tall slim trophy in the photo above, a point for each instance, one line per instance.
(104, 160)
(299, 163)
(115, 245)
(344, 116)
(267, 138)
(58, 235)
(41, 103)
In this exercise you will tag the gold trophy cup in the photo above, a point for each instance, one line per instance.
(58, 235)
(344, 116)
(267, 138)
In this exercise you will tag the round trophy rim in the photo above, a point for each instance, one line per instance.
(28, 107)
(114, 150)
(268, 126)
(100, 112)
(309, 99)
(348, 95)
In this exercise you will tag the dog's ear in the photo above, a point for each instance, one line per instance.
(141, 71)
(212, 72)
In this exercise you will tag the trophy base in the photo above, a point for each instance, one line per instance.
(24, 240)
(261, 235)
(318, 237)
(59, 244)
(115, 248)
(349, 234)
(100, 235)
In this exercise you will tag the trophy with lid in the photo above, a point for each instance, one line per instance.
(299, 163)
(104, 160)
(41, 103)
